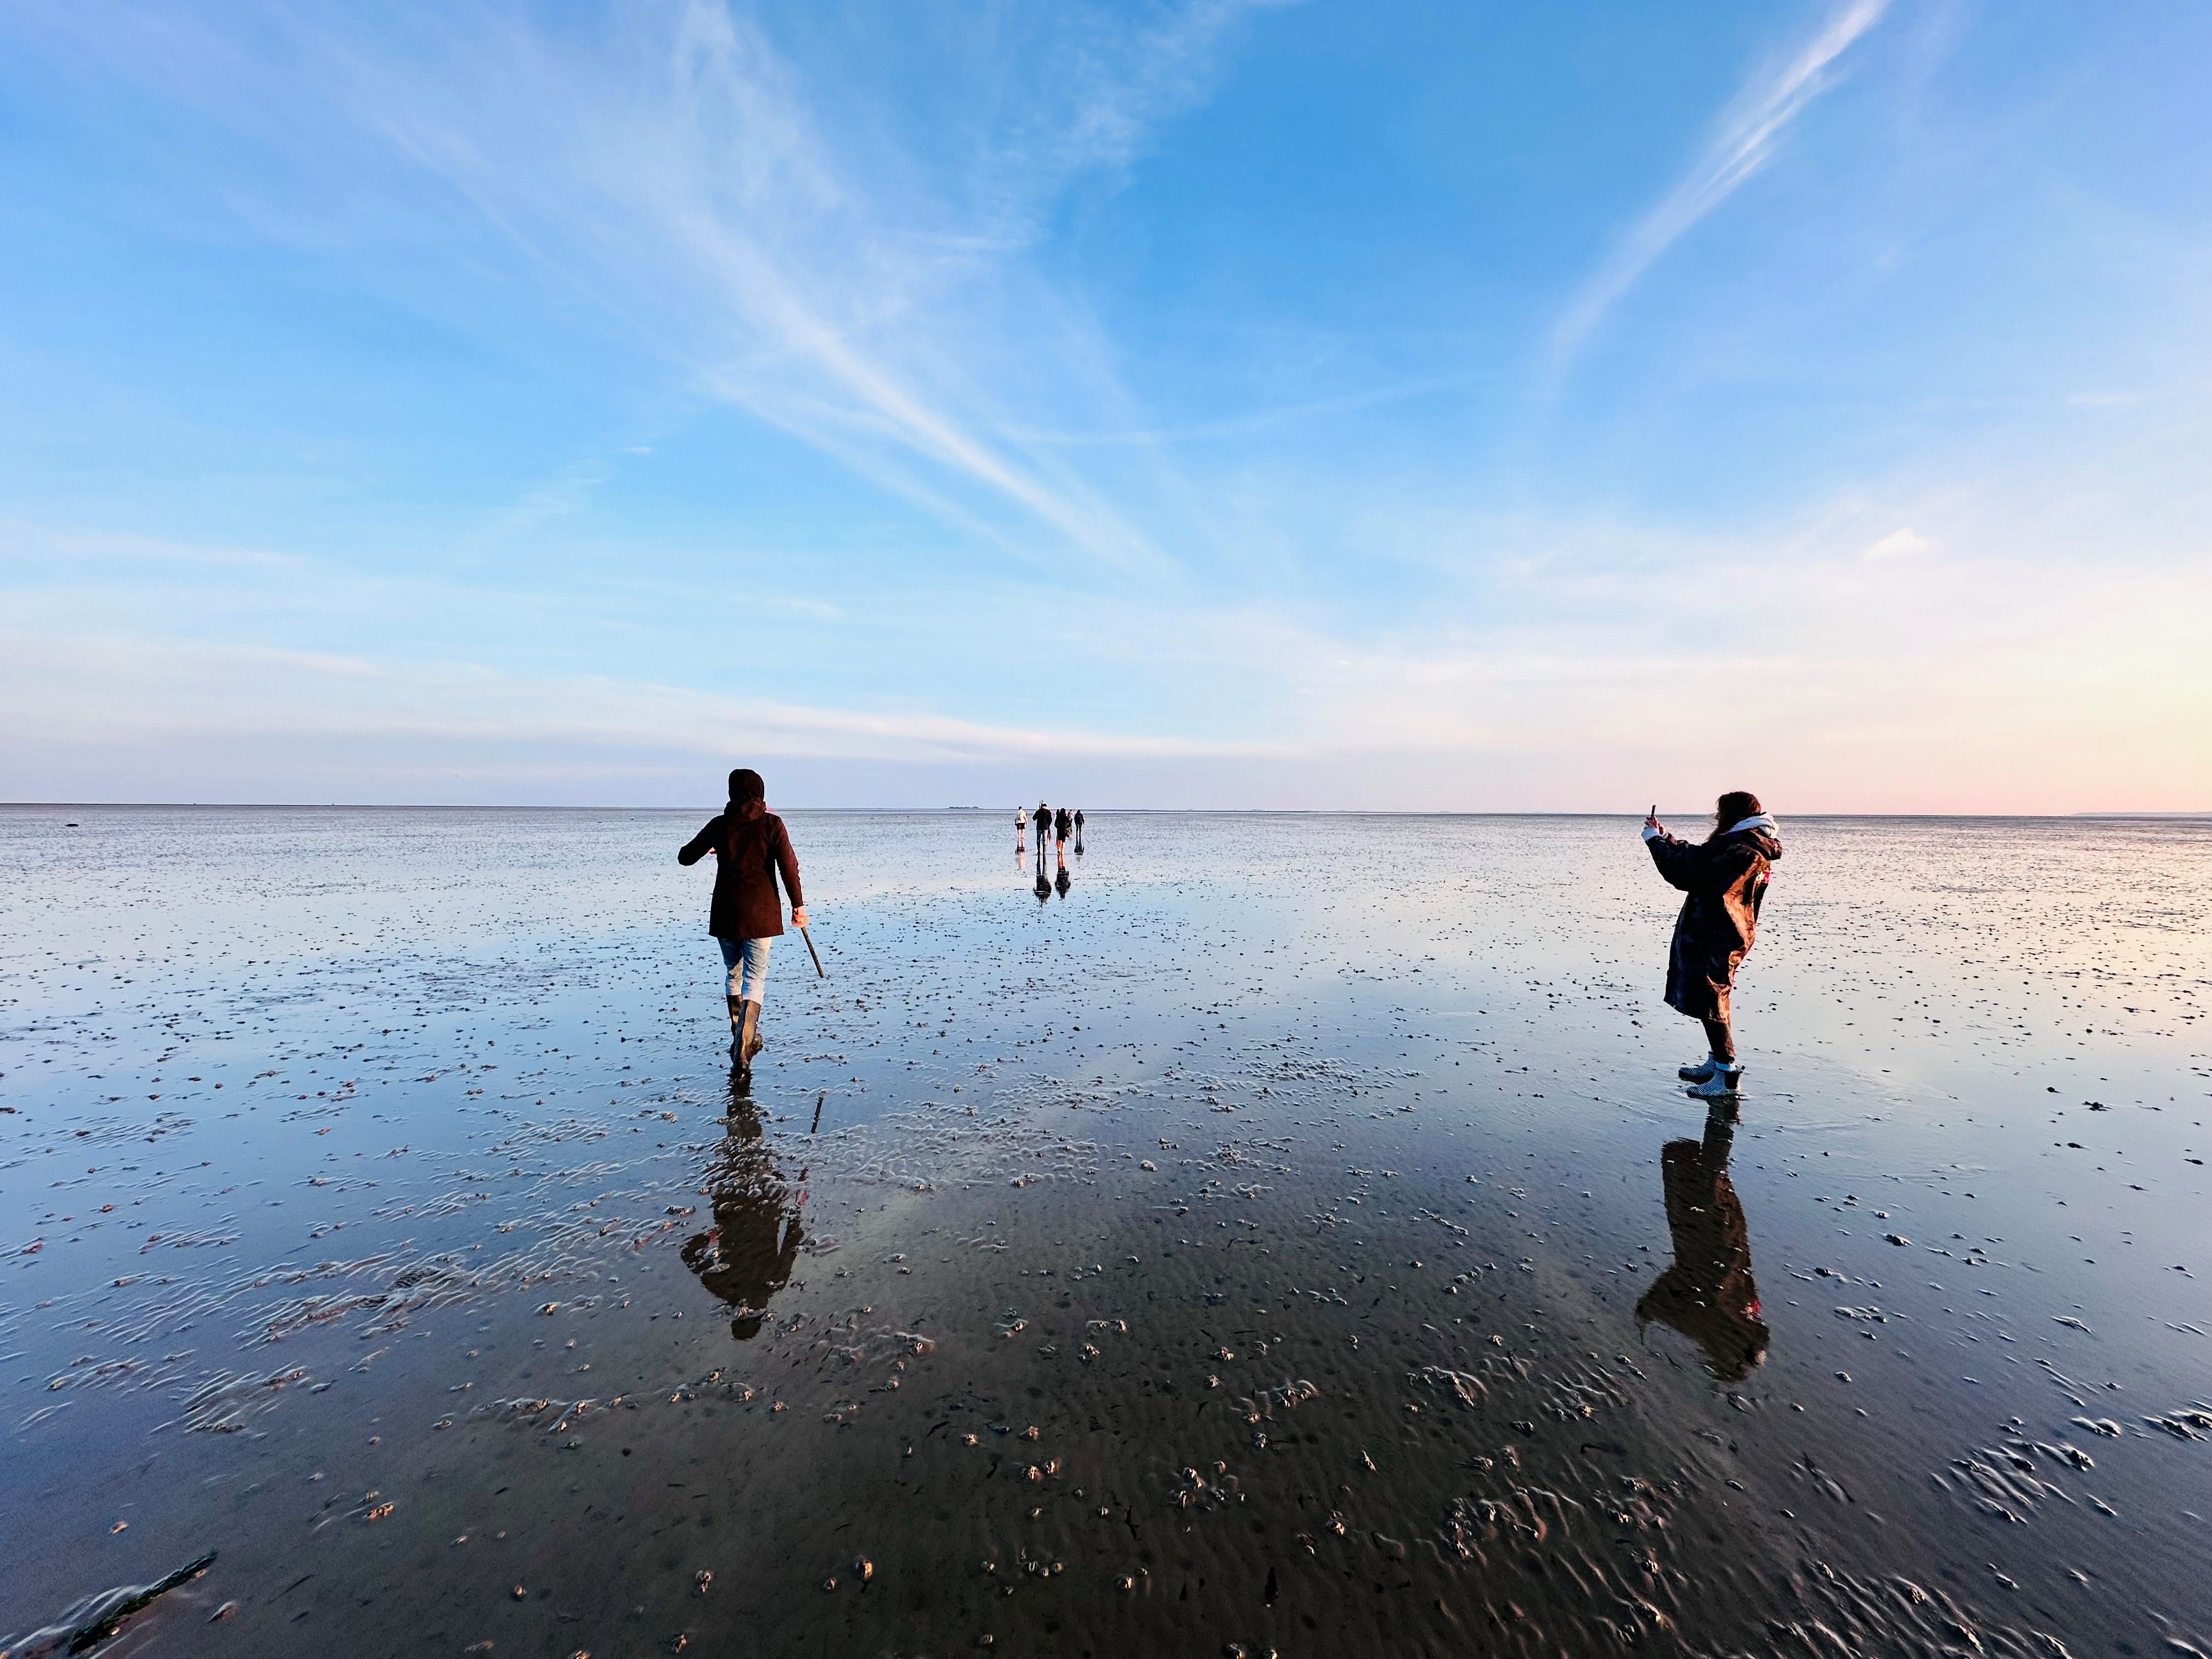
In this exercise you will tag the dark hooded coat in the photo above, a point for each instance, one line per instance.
(753, 848)
(1726, 880)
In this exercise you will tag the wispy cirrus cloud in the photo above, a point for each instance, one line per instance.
(137, 688)
(797, 266)
(843, 266)
(1742, 143)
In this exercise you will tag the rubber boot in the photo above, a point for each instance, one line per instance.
(749, 1036)
(737, 1033)
(1722, 1083)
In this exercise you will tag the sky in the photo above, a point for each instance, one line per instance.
(1461, 406)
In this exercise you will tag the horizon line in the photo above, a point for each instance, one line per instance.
(1246, 812)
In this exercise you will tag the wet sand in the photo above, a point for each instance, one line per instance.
(1289, 1236)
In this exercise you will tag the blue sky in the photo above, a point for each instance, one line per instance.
(1466, 406)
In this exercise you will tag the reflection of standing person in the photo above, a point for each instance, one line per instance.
(1063, 825)
(1725, 875)
(1708, 1294)
(748, 1256)
(753, 847)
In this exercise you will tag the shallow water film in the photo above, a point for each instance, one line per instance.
(1241, 1235)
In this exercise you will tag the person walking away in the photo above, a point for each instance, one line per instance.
(1063, 825)
(1079, 832)
(1725, 877)
(1021, 828)
(745, 917)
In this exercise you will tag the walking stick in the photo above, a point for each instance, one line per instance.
(811, 951)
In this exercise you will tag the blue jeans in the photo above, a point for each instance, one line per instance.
(747, 961)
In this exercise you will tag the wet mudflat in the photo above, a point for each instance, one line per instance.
(1285, 1234)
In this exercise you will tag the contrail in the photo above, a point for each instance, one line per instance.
(1743, 144)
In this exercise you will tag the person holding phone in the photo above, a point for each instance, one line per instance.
(1724, 877)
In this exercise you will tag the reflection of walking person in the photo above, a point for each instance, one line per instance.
(746, 918)
(1725, 875)
(1708, 1294)
(749, 1254)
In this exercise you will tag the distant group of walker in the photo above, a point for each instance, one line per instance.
(1723, 877)
(1062, 823)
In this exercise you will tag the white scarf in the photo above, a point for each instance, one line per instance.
(1757, 821)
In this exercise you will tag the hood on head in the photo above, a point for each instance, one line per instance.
(1759, 832)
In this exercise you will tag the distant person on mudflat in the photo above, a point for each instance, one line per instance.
(1079, 820)
(1043, 819)
(1725, 875)
(1063, 825)
(1021, 827)
(746, 917)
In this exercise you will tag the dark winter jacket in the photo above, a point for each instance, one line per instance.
(1726, 880)
(1062, 822)
(752, 845)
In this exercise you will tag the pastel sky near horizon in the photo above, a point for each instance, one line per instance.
(1412, 406)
